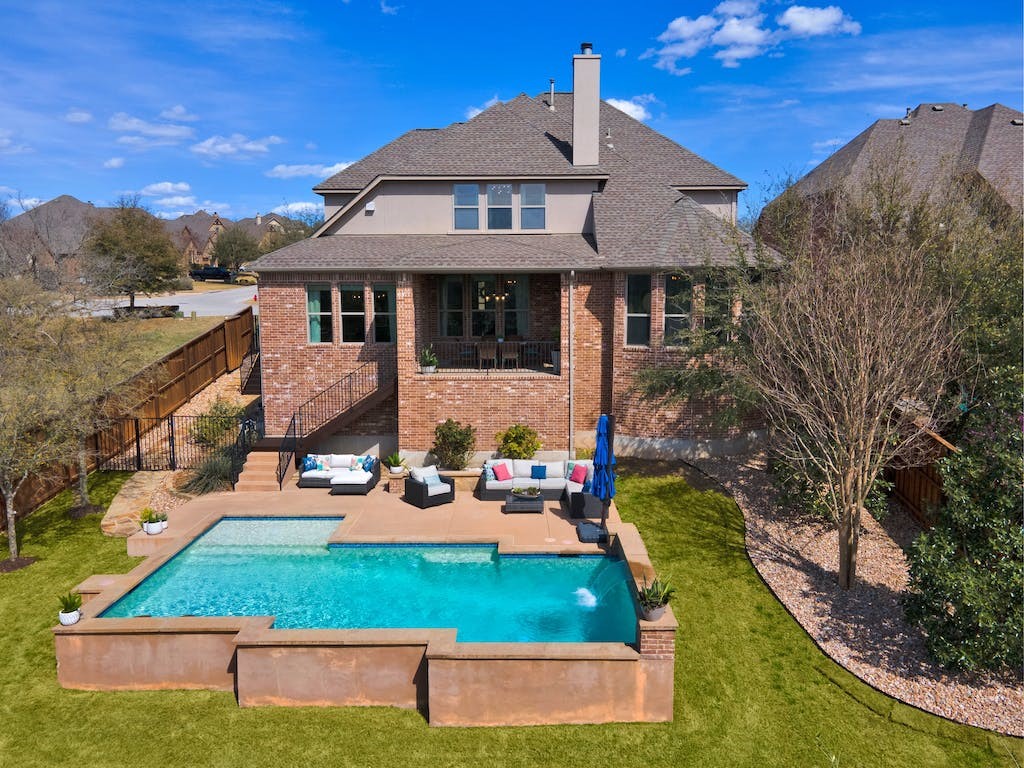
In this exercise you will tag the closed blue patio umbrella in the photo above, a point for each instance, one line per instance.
(604, 465)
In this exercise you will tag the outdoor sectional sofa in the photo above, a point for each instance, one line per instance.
(337, 473)
(554, 486)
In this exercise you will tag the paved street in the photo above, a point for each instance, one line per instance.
(229, 301)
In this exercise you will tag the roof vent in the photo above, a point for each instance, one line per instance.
(1016, 121)
(964, 105)
(905, 121)
(587, 49)
(937, 107)
(551, 95)
(908, 113)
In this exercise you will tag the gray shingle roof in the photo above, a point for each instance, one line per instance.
(938, 140)
(640, 219)
(433, 253)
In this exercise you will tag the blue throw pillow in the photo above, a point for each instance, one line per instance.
(432, 479)
(569, 465)
(368, 463)
(538, 472)
(586, 487)
(308, 463)
(488, 471)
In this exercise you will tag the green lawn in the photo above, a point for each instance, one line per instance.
(161, 335)
(751, 688)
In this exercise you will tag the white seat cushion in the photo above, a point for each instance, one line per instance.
(351, 477)
(437, 490)
(501, 485)
(322, 474)
(522, 467)
(573, 487)
(551, 482)
(555, 468)
(341, 460)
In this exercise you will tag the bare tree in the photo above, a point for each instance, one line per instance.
(32, 404)
(851, 348)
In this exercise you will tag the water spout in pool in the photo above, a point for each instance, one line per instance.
(585, 598)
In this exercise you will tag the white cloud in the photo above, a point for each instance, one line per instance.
(76, 115)
(169, 215)
(160, 131)
(165, 188)
(8, 145)
(114, 162)
(828, 145)
(811, 22)
(236, 145)
(281, 171)
(28, 203)
(390, 10)
(178, 113)
(175, 201)
(472, 112)
(635, 107)
(299, 209)
(310, 146)
(736, 30)
(218, 207)
(620, 53)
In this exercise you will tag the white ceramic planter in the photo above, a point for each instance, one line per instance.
(428, 368)
(152, 528)
(396, 470)
(653, 614)
(67, 619)
(163, 525)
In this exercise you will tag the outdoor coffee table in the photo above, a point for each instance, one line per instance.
(515, 503)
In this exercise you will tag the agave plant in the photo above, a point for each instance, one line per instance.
(70, 602)
(655, 594)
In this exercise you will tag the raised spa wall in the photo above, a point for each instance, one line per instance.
(451, 683)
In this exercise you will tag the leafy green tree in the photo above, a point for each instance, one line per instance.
(235, 247)
(129, 252)
(293, 233)
(967, 573)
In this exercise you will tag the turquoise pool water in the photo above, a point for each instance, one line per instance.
(284, 568)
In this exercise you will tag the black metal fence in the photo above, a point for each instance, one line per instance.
(538, 356)
(172, 442)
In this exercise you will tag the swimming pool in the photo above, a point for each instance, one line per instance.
(284, 568)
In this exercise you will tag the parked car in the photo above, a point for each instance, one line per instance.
(210, 273)
(246, 277)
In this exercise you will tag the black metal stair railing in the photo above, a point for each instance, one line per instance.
(327, 405)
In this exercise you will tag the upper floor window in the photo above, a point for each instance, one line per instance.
(318, 314)
(531, 206)
(638, 310)
(467, 206)
(451, 304)
(499, 206)
(678, 307)
(353, 313)
(384, 316)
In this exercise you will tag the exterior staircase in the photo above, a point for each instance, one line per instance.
(259, 472)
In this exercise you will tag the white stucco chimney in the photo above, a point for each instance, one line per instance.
(586, 106)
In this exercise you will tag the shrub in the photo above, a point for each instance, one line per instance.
(967, 573)
(183, 283)
(212, 428)
(518, 442)
(453, 444)
(70, 602)
(212, 474)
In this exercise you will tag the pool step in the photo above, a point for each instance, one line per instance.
(259, 472)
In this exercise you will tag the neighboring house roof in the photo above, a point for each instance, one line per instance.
(641, 219)
(198, 224)
(938, 141)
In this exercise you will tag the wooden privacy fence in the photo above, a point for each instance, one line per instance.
(177, 378)
(919, 489)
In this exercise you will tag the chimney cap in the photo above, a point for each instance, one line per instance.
(587, 49)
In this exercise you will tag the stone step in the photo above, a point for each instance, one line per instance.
(254, 485)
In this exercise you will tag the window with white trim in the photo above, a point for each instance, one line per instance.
(467, 206)
(638, 310)
(678, 307)
(318, 314)
(532, 199)
(353, 313)
(499, 206)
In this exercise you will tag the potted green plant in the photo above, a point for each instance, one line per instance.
(162, 517)
(395, 463)
(428, 359)
(150, 521)
(70, 605)
(531, 492)
(654, 598)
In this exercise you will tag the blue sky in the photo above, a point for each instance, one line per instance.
(241, 107)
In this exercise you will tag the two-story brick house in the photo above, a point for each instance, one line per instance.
(545, 250)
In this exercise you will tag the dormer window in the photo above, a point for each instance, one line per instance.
(467, 206)
(499, 206)
(531, 206)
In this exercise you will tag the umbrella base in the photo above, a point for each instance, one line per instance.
(591, 533)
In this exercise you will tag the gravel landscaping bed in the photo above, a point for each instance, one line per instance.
(862, 629)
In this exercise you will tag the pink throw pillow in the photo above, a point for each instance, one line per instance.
(579, 474)
(501, 472)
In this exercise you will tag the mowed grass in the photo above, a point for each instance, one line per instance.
(161, 335)
(751, 688)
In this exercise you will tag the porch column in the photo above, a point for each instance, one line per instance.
(407, 354)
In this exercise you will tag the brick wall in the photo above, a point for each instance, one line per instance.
(593, 306)
(657, 643)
